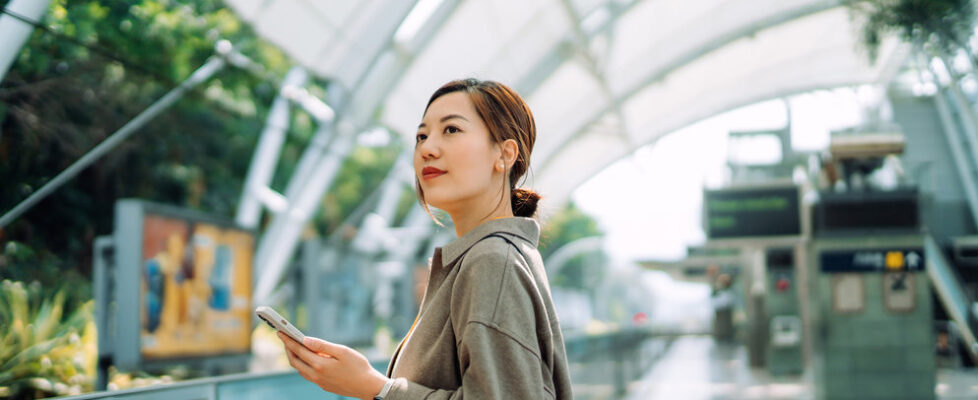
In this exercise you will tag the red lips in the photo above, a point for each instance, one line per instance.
(431, 173)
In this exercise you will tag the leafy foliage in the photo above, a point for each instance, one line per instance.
(93, 67)
(945, 23)
(42, 353)
(20, 262)
(60, 99)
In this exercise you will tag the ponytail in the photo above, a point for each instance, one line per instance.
(524, 202)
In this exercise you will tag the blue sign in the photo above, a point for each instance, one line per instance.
(872, 260)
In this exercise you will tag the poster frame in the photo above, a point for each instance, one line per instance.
(128, 241)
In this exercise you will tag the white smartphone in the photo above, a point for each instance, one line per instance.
(279, 323)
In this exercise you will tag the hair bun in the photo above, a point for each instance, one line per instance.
(524, 202)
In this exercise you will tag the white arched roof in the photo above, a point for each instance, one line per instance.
(602, 76)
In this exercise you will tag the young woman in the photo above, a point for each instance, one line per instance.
(487, 327)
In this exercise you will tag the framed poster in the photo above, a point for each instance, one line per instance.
(898, 292)
(183, 284)
(848, 293)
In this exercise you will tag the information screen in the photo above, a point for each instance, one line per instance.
(752, 212)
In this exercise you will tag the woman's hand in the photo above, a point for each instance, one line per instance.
(335, 368)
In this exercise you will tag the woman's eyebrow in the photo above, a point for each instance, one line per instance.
(446, 118)
(452, 116)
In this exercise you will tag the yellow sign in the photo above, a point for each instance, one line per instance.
(894, 260)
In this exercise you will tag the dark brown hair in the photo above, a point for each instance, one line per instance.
(508, 117)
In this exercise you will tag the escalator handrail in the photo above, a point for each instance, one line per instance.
(949, 291)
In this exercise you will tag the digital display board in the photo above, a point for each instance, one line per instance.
(752, 212)
(184, 284)
(869, 211)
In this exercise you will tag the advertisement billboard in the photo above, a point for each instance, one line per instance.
(184, 284)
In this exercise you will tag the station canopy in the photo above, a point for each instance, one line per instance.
(603, 77)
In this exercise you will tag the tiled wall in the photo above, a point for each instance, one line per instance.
(875, 353)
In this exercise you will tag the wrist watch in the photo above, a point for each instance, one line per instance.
(383, 392)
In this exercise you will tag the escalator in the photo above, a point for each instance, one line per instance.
(948, 288)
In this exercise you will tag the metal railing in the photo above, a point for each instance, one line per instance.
(621, 348)
(277, 385)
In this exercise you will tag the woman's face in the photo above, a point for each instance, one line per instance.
(454, 155)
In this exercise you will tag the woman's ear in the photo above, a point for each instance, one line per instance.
(510, 151)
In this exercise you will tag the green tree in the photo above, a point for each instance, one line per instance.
(92, 67)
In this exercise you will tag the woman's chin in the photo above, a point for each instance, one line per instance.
(445, 205)
(437, 205)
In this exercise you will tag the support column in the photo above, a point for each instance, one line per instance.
(15, 32)
(276, 247)
(267, 152)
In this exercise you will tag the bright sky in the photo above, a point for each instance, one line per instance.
(659, 188)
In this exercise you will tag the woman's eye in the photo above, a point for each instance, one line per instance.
(419, 137)
(452, 129)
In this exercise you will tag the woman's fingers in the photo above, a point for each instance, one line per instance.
(314, 346)
(293, 350)
(323, 347)
(301, 366)
(333, 367)
(304, 369)
(309, 359)
(290, 344)
(289, 348)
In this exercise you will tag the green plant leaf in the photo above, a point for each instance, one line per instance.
(31, 353)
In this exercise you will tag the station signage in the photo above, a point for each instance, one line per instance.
(752, 212)
(872, 260)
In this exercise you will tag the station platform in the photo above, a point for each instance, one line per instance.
(698, 368)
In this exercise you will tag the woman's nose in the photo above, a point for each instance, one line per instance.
(428, 149)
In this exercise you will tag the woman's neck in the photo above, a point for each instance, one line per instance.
(467, 220)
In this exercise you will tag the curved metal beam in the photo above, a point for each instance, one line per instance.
(582, 41)
(281, 238)
(565, 49)
(391, 64)
(559, 197)
(886, 69)
(688, 57)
